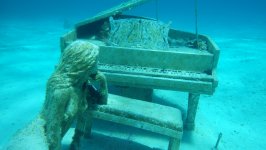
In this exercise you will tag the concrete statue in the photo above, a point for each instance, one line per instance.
(66, 98)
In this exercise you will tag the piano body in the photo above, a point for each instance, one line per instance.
(171, 61)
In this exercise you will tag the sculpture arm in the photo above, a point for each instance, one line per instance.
(72, 107)
(103, 89)
(70, 113)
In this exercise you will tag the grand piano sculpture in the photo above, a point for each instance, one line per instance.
(141, 54)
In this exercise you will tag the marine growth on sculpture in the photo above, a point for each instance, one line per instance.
(66, 97)
(66, 90)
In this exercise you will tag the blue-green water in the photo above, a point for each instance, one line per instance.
(211, 12)
(29, 50)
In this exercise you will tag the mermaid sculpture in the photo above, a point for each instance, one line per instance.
(66, 94)
(66, 90)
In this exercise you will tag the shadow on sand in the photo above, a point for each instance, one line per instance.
(103, 142)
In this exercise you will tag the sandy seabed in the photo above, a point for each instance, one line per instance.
(30, 49)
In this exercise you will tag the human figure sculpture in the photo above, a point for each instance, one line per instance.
(66, 90)
(66, 99)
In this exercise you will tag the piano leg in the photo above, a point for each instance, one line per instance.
(193, 100)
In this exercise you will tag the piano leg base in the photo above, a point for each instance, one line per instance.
(193, 100)
(189, 126)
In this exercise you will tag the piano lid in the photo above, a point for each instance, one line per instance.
(113, 11)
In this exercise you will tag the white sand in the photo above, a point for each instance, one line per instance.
(29, 50)
(30, 137)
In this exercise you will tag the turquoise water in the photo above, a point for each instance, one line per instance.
(29, 50)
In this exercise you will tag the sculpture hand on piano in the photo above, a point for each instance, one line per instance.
(100, 95)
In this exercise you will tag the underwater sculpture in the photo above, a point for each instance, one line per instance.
(66, 90)
(66, 95)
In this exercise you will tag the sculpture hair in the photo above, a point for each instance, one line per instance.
(78, 58)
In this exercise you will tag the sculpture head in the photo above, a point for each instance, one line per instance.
(78, 61)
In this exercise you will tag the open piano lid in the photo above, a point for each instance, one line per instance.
(113, 11)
